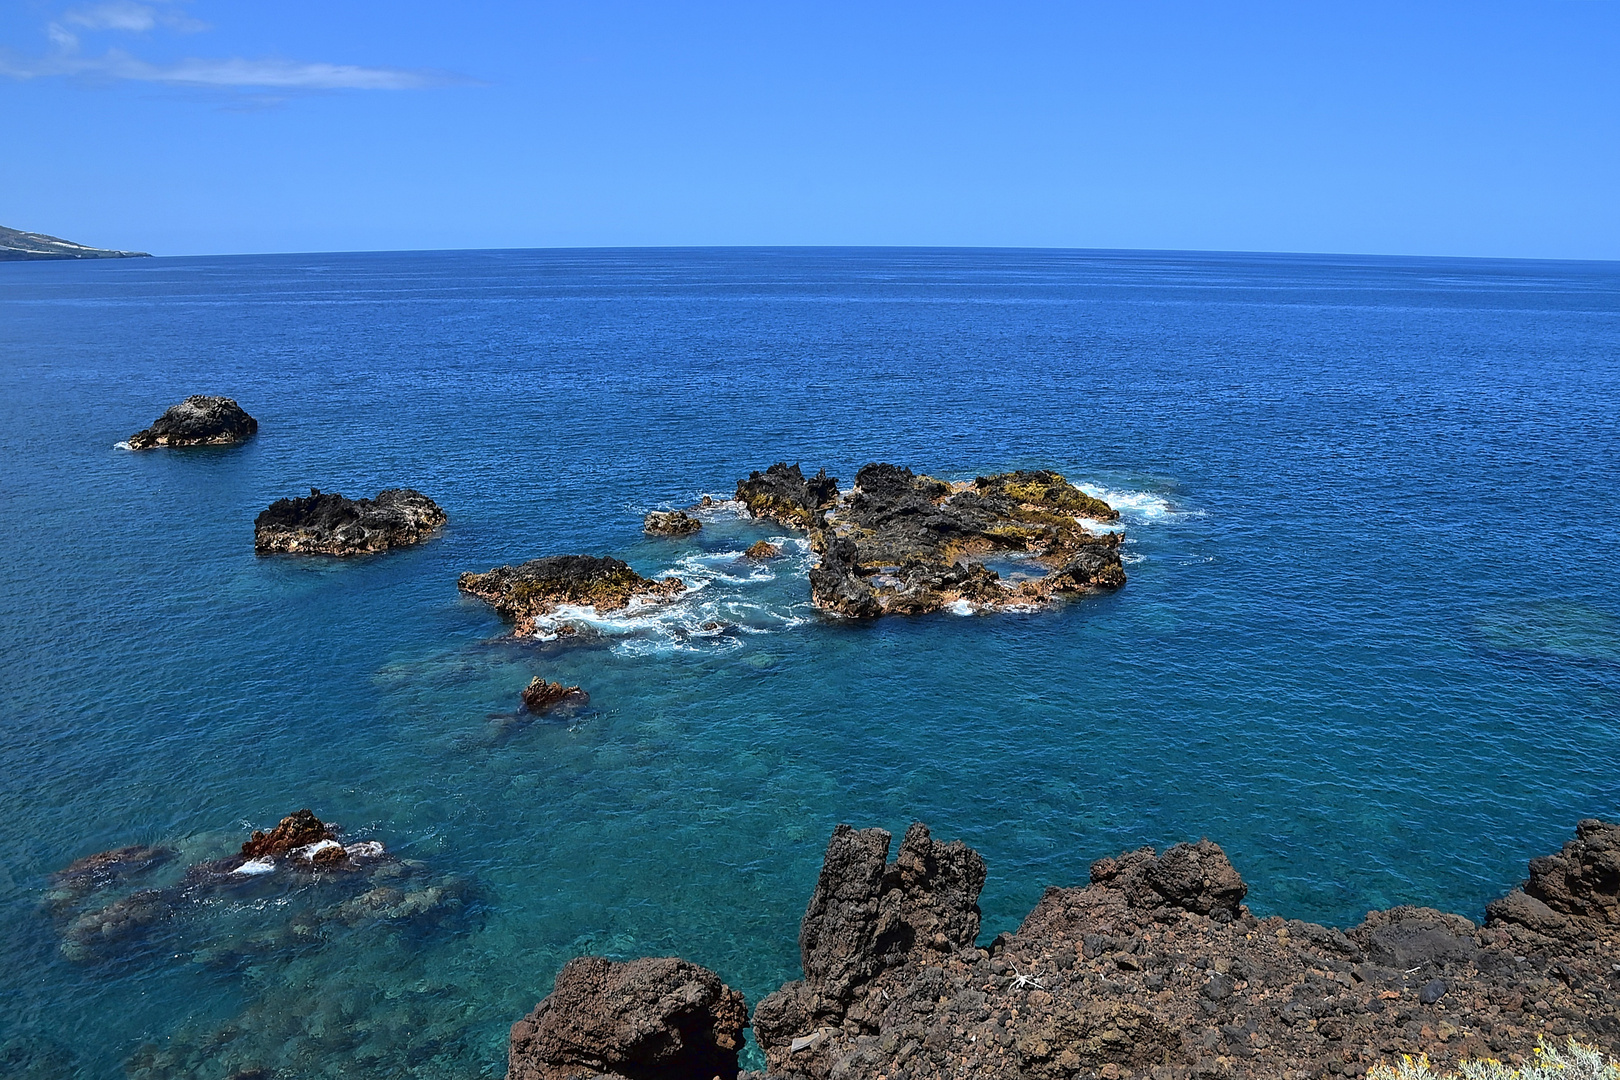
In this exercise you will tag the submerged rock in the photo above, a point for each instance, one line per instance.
(1155, 970)
(670, 523)
(541, 696)
(302, 856)
(904, 543)
(658, 1017)
(783, 495)
(199, 420)
(329, 524)
(522, 593)
(104, 869)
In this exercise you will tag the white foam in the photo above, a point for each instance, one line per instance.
(727, 596)
(365, 849)
(122, 445)
(960, 607)
(256, 866)
(309, 851)
(1136, 505)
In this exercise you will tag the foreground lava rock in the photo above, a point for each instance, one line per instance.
(904, 544)
(658, 1017)
(199, 420)
(541, 696)
(323, 523)
(538, 587)
(1155, 970)
(670, 523)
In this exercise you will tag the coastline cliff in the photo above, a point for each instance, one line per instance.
(1154, 970)
(19, 246)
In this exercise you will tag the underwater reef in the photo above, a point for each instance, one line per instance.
(1154, 970)
(325, 523)
(199, 420)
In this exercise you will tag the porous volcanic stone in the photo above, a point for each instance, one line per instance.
(199, 420)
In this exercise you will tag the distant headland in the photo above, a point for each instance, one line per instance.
(17, 246)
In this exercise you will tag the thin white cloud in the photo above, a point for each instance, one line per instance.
(129, 16)
(230, 73)
(118, 15)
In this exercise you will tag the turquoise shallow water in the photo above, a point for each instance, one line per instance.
(1370, 643)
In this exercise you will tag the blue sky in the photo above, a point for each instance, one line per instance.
(211, 126)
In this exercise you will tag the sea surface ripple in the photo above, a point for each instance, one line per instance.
(1370, 643)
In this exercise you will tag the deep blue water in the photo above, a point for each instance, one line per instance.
(1370, 643)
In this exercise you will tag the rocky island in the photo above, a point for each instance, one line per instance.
(541, 586)
(199, 420)
(325, 523)
(904, 543)
(1155, 970)
(19, 246)
(670, 523)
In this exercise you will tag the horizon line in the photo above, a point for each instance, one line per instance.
(855, 247)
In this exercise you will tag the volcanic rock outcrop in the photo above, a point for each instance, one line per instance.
(538, 587)
(902, 543)
(650, 1019)
(762, 550)
(783, 495)
(324, 523)
(670, 523)
(541, 696)
(199, 420)
(1155, 970)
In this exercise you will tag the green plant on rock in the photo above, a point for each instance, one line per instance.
(1573, 1061)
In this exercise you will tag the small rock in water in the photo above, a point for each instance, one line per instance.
(541, 696)
(199, 420)
(763, 549)
(670, 523)
(296, 830)
(328, 524)
(537, 587)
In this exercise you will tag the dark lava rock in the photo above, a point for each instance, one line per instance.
(197, 421)
(328, 524)
(650, 1019)
(537, 587)
(298, 829)
(1156, 971)
(762, 550)
(868, 915)
(905, 544)
(541, 696)
(783, 495)
(1583, 879)
(670, 523)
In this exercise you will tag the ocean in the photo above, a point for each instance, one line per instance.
(1370, 643)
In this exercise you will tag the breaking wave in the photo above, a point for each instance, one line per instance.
(728, 597)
